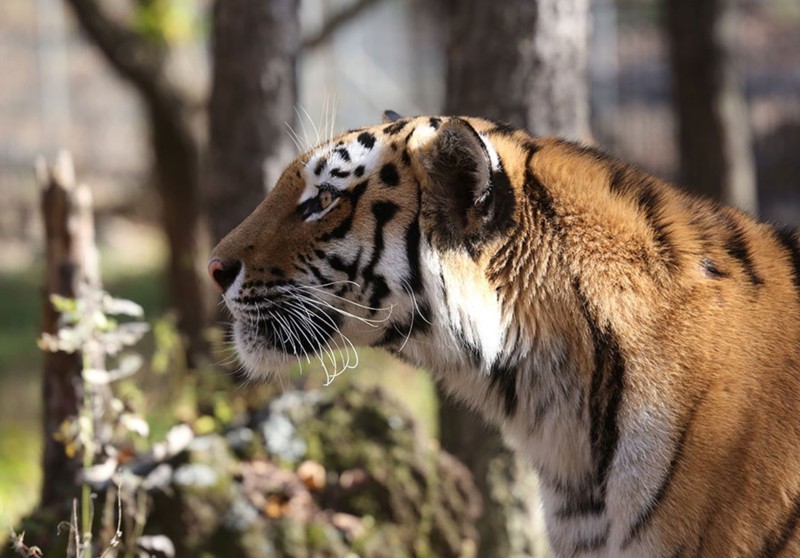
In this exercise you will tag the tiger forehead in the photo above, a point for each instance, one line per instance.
(342, 161)
(336, 164)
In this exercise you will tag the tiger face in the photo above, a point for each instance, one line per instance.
(343, 251)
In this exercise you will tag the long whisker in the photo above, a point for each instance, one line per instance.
(294, 137)
(319, 288)
(319, 302)
(306, 142)
(313, 124)
(346, 350)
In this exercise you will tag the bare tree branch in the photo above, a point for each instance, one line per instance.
(177, 150)
(134, 57)
(336, 22)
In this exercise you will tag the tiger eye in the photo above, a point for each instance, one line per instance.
(325, 199)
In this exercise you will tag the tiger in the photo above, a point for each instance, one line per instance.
(638, 345)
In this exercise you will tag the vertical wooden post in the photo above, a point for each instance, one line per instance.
(71, 260)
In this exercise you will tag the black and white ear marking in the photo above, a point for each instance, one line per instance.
(390, 116)
(468, 193)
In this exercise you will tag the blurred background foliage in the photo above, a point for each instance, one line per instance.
(352, 59)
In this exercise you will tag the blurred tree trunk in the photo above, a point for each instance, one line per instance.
(253, 95)
(534, 78)
(71, 261)
(716, 156)
(177, 146)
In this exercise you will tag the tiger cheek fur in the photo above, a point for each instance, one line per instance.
(638, 346)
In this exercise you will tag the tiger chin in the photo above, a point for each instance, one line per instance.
(639, 345)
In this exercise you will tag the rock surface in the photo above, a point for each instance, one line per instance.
(332, 473)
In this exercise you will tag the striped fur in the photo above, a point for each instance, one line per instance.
(639, 346)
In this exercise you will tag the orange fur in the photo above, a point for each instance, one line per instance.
(640, 346)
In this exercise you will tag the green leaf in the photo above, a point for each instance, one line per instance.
(63, 304)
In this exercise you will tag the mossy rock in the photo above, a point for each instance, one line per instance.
(331, 473)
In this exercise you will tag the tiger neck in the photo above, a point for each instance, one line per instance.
(511, 354)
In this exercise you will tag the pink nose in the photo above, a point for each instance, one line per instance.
(223, 273)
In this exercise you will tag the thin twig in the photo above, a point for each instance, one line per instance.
(336, 22)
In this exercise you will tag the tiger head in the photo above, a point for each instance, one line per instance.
(378, 237)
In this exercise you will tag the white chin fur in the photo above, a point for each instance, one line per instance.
(258, 363)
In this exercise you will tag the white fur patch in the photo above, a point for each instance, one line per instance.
(494, 158)
(330, 160)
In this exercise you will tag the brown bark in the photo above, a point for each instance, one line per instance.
(534, 78)
(70, 260)
(253, 96)
(177, 145)
(713, 132)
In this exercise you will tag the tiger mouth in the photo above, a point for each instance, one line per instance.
(292, 327)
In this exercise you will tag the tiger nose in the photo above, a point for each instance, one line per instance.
(223, 273)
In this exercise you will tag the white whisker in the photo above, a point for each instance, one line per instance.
(294, 137)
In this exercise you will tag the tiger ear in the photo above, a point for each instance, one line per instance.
(465, 195)
(390, 116)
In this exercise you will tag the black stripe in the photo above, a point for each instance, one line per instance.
(343, 228)
(471, 350)
(542, 408)
(412, 253)
(581, 504)
(380, 290)
(398, 332)
(395, 127)
(778, 540)
(504, 379)
(320, 165)
(736, 247)
(394, 333)
(788, 238)
(339, 173)
(626, 180)
(502, 128)
(605, 395)
(592, 544)
(343, 153)
(389, 175)
(589, 151)
(351, 269)
(620, 179)
(650, 201)
(406, 157)
(321, 277)
(677, 456)
(503, 203)
(366, 139)
(537, 193)
(413, 235)
(382, 211)
(711, 268)
(359, 171)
